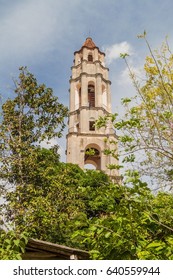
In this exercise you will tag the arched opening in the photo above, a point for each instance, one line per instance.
(92, 156)
(90, 57)
(91, 95)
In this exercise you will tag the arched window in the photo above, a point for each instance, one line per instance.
(92, 125)
(91, 95)
(92, 156)
(90, 58)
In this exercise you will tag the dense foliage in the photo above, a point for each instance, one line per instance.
(12, 245)
(32, 116)
(83, 209)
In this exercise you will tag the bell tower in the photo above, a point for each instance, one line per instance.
(90, 98)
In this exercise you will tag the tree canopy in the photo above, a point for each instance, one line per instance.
(33, 115)
(149, 124)
(84, 209)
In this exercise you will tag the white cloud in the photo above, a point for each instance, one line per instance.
(113, 51)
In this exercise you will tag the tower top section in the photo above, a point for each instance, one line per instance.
(89, 44)
(90, 98)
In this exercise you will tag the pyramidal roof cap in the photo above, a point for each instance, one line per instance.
(89, 43)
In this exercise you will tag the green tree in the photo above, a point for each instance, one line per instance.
(146, 128)
(57, 199)
(32, 116)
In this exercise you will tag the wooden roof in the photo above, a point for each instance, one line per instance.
(42, 250)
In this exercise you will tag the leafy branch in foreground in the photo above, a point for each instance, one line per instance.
(12, 246)
(146, 129)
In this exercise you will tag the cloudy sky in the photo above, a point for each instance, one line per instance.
(43, 35)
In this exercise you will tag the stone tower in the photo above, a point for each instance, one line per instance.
(90, 97)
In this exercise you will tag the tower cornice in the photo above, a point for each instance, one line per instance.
(103, 135)
(94, 62)
(89, 108)
(89, 49)
(90, 75)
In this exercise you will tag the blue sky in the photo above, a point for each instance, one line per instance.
(43, 35)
